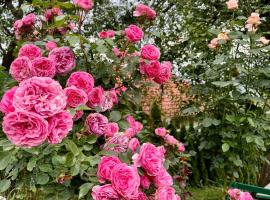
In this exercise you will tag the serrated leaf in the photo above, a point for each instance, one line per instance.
(72, 147)
(84, 189)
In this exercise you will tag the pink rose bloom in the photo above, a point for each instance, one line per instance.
(29, 19)
(41, 95)
(150, 52)
(135, 127)
(114, 96)
(234, 193)
(106, 166)
(18, 24)
(165, 193)
(6, 103)
(84, 4)
(96, 123)
(140, 196)
(134, 33)
(95, 97)
(106, 102)
(111, 129)
(178, 197)
(143, 10)
(81, 80)
(25, 128)
(232, 4)
(116, 52)
(43, 67)
(64, 59)
(169, 139)
(106, 34)
(51, 45)
(134, 144)
(213, 43)
(163, 179)
(181, 147)
(118, 143)
(150, 158)
(254, 19)
(264, 40)
(75, 96)
(105, 192)
(152, 69)
(31, 51)
(20, 69)
(161, 131)
(165, 73)
(72, 26)
(251, 28)
(245, 196)
(78, 115)
(59, 126)
(145, 182)
(125, 180)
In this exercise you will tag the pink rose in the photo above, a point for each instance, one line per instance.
(118, 143)
(125, 180)
(25, 128)
(116, 52)
(152, 69)
(64, 59)
(234, 193)
(134, 144)
(150, 158)
(134, 125)
(163, 179)
(213, 43)
(81, 80)
(161, 131)
(43, 67)
(30, 51)
(150, 52)
(106, 102)
(6, 103)
(111, 129)
(51, 45)
(145, 182)
(264, 40)
(78, 115)
(245, 196)
(20, 69)
(140, 196)
(41, 95)
(106, 166)
(181, 147)
(165, 73)
(106, 34)
(143, 10)
(105, 192)
(134, 33)
(29, 19)
(254, 19)
(75, 96)
(232, 4)
(96, 123)
(18, 24)
(114, 97)
(165, 193)
(169, 139)
(59, 126)
(84, 4)
(95, 97)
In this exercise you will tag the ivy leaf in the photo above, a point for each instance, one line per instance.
(4, 185)
(84, 189)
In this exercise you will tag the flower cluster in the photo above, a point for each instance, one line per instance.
(236, 194)
(169, 139)
(124, 182)
(25, 25)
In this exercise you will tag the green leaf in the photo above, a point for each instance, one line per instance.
(83, 107)
(84, 189)
(42, 179)
(4, 185)
(72, 147)
(222, 83)
(31, 164)
(115, 116)
(5, 159)
(225, 147)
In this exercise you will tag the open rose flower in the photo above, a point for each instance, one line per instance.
(125, 180)
(118, 143)
(29, 19)
(64, 59)
(165, 73)
(134, 144)
(75, 96)
(106, 166)
(150, 52)
(161, 131)
(30, 51)
(95, 97)
(60, 125)
(96, 123)
(163, 179)
(6, 103)
(105, 192)
(43, 67)
(169, 139)
(81, 80)
(25, 128)
(111, 129)
(150, 158)
(181, 147)
(254, 19)
(152, 69)
(165, 193)
(41, 95)
(20, 69)
(84, 4)
(232, 4)
(143, 10)
(134, 33)
(106, 102)
(106, 34)
(140, 196)
(213, 43)
(234, 193)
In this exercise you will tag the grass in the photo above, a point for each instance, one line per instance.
(206, 193)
